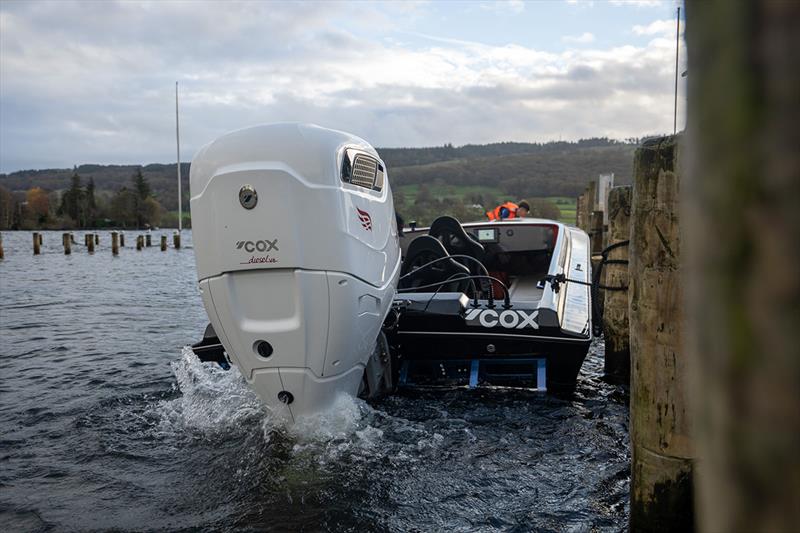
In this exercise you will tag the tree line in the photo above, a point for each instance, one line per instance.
(80, 206)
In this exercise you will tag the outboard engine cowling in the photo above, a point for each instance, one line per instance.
(297, 257)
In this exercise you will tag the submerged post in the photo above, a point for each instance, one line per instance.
(661, 420)
(139, 243)
(65, 240)
(2, 254)
(615, 308)
(114, 243)
(163, 243)
(90, 243)
(36, 243)
(148, 240)
(176, 240)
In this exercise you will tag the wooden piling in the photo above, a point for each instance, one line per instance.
(578, 210)
(176, 240)
(72, 237)
(163, 243)
(67, 242)
(114, 243)
(2, 254)
(139, 242)
(148, 240)
(596, 232)
(36, 243)
(660, 417)
(122, 239)
(742, 199)
(90, 244)
(96, 238)
(86, 240)
(615, 307)
(41, 240)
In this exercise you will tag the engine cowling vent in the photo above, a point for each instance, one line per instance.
(362, 170)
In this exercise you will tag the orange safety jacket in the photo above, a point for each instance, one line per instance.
(494, 214)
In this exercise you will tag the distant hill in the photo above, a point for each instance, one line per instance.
(518, 169)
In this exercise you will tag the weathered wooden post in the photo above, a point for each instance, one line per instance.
(122, 239)
(2, 254)
(660, 418)
(176, 240)
(139, 243)
(615, 271)
(148, 240)
(596, 232)
(163, 243)
(65, 240)
(114, 243)
(578, 210)
(41, 240)
(743, 288)
(90, 244)
(96, 238)
(72, 237)
(36, 243)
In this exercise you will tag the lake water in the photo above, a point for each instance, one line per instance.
(107, 422)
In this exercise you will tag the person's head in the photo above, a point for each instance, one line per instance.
(523, 209)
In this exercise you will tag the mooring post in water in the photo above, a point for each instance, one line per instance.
(41, 240)
(90, 243)
(37, 243)
(65, 240)
(660, 418)
(176, 240)
(615, 275)
(742, 199)
(148, 240)
(139, 242)
(72, 237)
(96, 238)
(163, 243)
(114, 243)
(2, 254)
(596, 232)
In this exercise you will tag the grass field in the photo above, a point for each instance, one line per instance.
(462, 194)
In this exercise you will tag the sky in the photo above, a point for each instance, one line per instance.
(94, 82)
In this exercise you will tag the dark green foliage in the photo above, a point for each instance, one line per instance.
(73, 201)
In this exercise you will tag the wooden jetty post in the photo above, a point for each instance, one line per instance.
(176, 240)
(742, 199)
(578, 210)
(139, 242)
(114, 243)
(2, 254)
(122, 239)
(163, 243)
(65, 240)
(148, 240)
(96, 238)
(660, 415)
(596, 232)
(90, 243)
(615, 307)
(41, 240)
(72, 237)
(37, 243)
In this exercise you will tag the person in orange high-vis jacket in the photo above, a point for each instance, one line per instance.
(509, 210)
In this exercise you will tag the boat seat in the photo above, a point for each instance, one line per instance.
(457, 241)
(423, 250)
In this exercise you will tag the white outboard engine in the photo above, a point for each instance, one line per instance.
(297, 257)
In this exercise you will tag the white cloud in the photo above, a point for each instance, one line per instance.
(638, 3)
(657, 27)
(514, 6)
(583, 38)
(78, 89)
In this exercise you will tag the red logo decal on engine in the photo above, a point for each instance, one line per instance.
(365, 218)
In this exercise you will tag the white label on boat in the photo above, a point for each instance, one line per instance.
(508, 318)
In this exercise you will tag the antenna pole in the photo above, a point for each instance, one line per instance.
(178, 142)
(677, 49)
